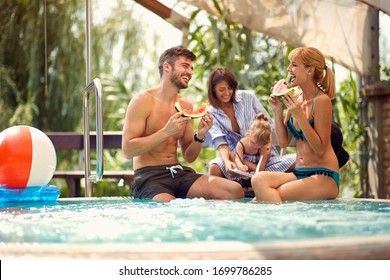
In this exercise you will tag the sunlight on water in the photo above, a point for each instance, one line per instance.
(184, 220)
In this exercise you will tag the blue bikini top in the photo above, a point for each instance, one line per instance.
(290, 125)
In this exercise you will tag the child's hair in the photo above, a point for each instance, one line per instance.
(260, 129)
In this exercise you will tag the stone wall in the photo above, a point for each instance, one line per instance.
(386, 146)
(378, 141)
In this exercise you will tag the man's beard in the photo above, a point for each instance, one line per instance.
(177, 81)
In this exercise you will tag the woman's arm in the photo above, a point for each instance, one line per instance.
(282, 135)
(191, 148)
(224, 153)
(319, 136)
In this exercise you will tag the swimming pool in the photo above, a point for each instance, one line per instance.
(196, 228)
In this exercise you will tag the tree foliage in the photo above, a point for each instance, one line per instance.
(55, 104)
(24, 98)
(347, 113)
(119, 54)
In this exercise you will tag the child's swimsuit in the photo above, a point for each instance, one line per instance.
(250, 157)
(307, 172)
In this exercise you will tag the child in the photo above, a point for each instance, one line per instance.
(254, 146)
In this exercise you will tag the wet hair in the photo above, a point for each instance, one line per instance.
(218, 75)
(310, 56)
(260, 129)
(171, 55)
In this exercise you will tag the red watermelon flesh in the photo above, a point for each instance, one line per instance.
(194, 114)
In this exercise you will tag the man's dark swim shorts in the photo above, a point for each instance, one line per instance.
(173, 179)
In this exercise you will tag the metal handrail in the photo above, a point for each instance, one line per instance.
(99, 136)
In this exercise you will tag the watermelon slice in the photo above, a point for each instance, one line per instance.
(288, 79)
(193, 114)
(281, 88)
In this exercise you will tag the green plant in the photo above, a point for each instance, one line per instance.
(27, 97)
(347, 114)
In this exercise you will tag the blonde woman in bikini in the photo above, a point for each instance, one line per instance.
(309, 120)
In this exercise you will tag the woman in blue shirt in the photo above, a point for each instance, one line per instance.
(233, 112)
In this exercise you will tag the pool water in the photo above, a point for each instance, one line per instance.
(125, 220)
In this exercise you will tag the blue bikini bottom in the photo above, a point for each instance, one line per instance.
(302, 173)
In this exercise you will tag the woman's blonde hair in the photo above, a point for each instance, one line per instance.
(310, 56)
(260, 129)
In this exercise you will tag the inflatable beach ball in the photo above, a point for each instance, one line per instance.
(27, 157)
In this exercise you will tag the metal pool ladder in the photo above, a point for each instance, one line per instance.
(90, 178)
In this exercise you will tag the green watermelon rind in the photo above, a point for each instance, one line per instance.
(292, 90)
(193, 114)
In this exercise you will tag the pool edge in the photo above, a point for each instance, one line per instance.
(352, 248)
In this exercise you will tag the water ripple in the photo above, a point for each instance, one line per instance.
(190, 220)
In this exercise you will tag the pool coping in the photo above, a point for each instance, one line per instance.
(351, 248)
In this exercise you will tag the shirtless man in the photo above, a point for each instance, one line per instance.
(153, 131)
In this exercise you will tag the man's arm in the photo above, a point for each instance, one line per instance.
(191, 148)
(133, 144)
(134, 141)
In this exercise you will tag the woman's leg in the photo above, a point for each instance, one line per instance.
(315, 187)
(277, 187)
(265, 185)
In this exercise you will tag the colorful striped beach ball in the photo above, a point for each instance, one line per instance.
(27, 157)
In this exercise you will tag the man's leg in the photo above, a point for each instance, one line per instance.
(163, 197)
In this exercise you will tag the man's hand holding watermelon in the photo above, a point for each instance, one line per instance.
(206, 119)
